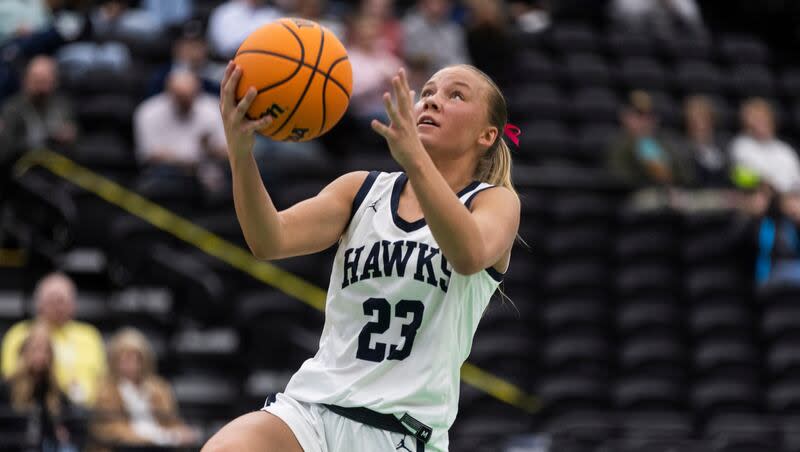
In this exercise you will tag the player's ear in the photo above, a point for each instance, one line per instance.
(488, 136)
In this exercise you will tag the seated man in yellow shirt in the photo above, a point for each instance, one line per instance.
(80, 359)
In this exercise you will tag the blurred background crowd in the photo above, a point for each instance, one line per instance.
(655, 308)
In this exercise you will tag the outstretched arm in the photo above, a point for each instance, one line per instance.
(307, 227)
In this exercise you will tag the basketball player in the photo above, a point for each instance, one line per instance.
(420, 254)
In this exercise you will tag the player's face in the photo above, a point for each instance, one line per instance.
(451, 111)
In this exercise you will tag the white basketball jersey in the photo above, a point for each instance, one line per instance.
(399, 321)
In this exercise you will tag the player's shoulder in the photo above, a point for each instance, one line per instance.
(356, 181)
(494, 195)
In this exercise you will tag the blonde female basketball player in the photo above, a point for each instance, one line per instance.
(420, 254)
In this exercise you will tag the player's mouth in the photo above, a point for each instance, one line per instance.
(426, 121)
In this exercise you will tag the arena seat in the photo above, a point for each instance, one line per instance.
(578, 314)
(596, 105)
(573, 37)
(783, 397)
(726, 357)
(743, 433)
(657, 356)
(648, 394)
(587, 355)
(621, 43)
(725, 396)
(645, 278)
(686, 46)
(586, 69)
(698, 76)
(647, 316)
(783, 359)
(536, 102)
(728, 319)
(780, 322)
(748, 80)
(536, 67)
(642, 73)
(742, 49)
(578, 240)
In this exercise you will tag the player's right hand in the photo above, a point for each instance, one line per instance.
(239, 130)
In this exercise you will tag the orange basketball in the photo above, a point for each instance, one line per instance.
(302, 75)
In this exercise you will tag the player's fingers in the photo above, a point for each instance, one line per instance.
(390, 110)
(400, 95)
(233, 82)
(244, 104)
(226, 101)
(380, 128)
(407, 93)
(260, 123)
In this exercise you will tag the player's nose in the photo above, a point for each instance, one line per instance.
(429, 103)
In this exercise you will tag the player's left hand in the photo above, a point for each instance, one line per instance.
(401, 133)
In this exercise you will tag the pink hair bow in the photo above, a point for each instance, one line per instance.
(512, 132)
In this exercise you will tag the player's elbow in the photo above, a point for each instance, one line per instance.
(468, 264)
(263, 252)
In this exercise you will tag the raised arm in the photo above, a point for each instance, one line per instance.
(472, 240)
(307, 227)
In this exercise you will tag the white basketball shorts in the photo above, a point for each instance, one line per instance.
(318, 429)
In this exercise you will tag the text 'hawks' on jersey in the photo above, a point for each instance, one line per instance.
(399, 320)
(391, 258)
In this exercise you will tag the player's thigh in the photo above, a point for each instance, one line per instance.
(258, 431)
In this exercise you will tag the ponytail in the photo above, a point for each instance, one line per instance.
(495, 166)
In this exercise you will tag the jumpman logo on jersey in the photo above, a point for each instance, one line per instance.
(374, 204)
(402, 444)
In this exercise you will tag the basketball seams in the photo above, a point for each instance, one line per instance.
(325, 89)
(303, 63)
(308, 84)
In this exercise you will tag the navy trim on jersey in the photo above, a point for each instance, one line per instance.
(468, 202)
(362, 192)
(496, 275)
(406, 226)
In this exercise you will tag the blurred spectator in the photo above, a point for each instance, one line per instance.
(531, 16)
(757, 150)
(490, 45)
(190, 52)
(231, 22)
(711, 162)
(180, 138)
(115, 19)
(38, 116)
(317, 10)
(778, 258)
(432, 40)
(32, 390)
(79, 351)
(391, 38)
(642, 155)
(373, 69)
(22, 17)
(169, 13)
(664, 18)
(136, 407)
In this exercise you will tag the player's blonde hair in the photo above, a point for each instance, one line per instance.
(494, 167)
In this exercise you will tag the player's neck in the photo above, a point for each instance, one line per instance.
(457, 172)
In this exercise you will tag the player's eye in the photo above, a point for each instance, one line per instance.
(457, 94)
(426, 93)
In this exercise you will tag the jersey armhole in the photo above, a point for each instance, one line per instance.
(369, 181)
(468, 202)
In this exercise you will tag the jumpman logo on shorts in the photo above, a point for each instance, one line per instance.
(374, 204)
(402, 444)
